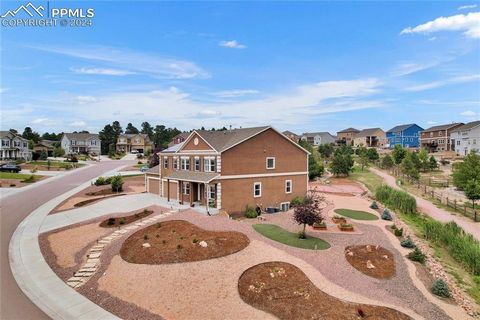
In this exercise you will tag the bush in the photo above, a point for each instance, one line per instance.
(100, 181)
(297, 201)
(122, 221)
(302, 235)
(111, 221)
(145, 237)
(374, 205)
(386, 215)
(398, 232)
(440, 288)
(417, 255)
(407, 243)
(30, 179)
(396, 199)
(117, 183)
(250, 213)
(139, 162)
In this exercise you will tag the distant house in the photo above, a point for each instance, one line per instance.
(81, 143)
(14, 146)
(437, 138)
(46, 146)
(179, 138)
(370, 138)
(136, 142)
(466, 138)
(405, 135)
(346, 136)
(292, 136)
(318, 138)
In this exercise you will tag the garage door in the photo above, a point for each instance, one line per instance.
(153, 186)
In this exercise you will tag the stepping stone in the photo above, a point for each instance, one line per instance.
(89, 265)
(96, 250)
(146, 245)
(108, 238)
(83, 274)
(370, 265)
(98, 246)
(75, 279)
(88, 270)
(93, 260)
(104, 241)
(94, 255)
(74, 284)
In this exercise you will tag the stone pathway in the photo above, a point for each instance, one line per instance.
(88, 269)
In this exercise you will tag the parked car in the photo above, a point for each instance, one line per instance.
(144, 168)
(134, 151)
(10, 167)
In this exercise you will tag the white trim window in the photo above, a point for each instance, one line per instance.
(212, 192)
(284, 206)
(165, 162)
(175, 163)
(270, 163)
(288, 186)
(209, 165)
(186, 188)
(197, 164)
(257, 189)
(185, 163)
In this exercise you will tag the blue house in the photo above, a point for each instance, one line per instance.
(406, 135)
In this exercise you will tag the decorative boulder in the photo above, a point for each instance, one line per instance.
(203, 244)
(370, 265)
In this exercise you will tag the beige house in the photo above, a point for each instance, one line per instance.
(346, 136)
(139, 142)
(14, 146)
(370, 138)
(232, 169)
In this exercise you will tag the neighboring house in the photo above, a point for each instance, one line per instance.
(466, 138)
(81, 143)
(233, 169)
(292, 136)
(179, 138)
(370, 138)
(406, 135)
(46, 146)
(318, 138)
(437, 138)
(14, 146)
(346, 136)
(136, 141)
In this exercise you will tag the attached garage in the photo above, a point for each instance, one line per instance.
(152, 180)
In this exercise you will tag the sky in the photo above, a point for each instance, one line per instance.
(298, 66)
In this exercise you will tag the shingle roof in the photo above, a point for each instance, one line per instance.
(442, 127)
(195, 176)
(81, 136)
(468, 126)
(367, 132)
(349, 130)
(289, 133)
(222, 140)
(174, 148)
(154, 170)
(131, 135)
(4, 133)
(401, 127)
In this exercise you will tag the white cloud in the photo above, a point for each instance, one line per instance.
(470, 6)
(135, 61)
(406, 68)
(431, 122)
(3, 90)
(468, 23)
(442, 83)
(208, 114)
(234, 44)
(85, 99)
(44, 122)
(78, 123)
(234, 93)
(468, 113)
(102, 71)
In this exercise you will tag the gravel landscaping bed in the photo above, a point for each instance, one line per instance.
(374, 261)
(114, 222)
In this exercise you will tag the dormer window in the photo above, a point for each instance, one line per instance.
(270, 162)
(165, 162)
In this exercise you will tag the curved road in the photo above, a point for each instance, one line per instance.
(13, 209)
(432, 210)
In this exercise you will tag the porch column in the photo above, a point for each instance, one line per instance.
(205, 189)
(191, 191)
(168, 190)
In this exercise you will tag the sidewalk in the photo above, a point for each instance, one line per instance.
(432, 210)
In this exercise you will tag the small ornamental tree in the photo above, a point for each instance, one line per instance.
(309, 212)
(424, 162)
(363, 159)
(387, 162)
(409, 168)
(468, 169)
(432, 163)
(342, 162)
(373, 154)
(472, 192)
(398, 154)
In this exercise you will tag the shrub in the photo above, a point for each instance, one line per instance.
(398, 232)
(122, 221)
(30, 179)
(139, 162)
(440, 288)
(117, 183)
(417, 255)
(179, 247)
(250, 213)
(396, 199)
(297, 201)
(393, 227)
(386, 215)
(302, 235)
(195, 240)
(319, 225)
(407, 243)
(346, 225)
(374, 205)
(145, 237)
(111, 221)
(100, 181)
(34, 170)
(12, 185)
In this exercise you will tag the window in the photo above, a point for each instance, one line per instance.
(186, 188)
(93, 142)
(288, 186)
(74, 142)
(270, 163)
(165, 162)
(431, 134)
(257, 189)
(175, 163)
(5, 143)
(209, 165)
(197, 164)
(185, 163)
(458, 142)
(474, 141)
(441, 141)
(212, 194)
(284, 206)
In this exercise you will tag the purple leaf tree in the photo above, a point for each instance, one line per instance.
(309, 212)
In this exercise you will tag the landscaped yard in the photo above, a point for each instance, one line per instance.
(281, 235)
(11, 175)
(11, 179)
(374, 261)
(369, 179)
(356, 215)
(54, 165)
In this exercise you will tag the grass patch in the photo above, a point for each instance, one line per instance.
(356, 215)
(12, 175)
(281, 235)
(369, 179)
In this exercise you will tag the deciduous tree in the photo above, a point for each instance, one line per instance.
(309, 212)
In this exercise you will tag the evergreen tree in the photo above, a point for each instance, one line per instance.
(147, 129)
(131, 129)
(398, 154)
(342, 162)
(107, 137)
(408, 167)
(424, 161)
(467, 170)
(432, 163)
(387, 161)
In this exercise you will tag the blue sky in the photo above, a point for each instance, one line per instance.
(309, 66)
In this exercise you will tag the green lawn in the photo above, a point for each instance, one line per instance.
(11, 175)
(369, 179)
(281, 235)
(356, 215)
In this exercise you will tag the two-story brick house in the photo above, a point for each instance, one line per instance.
(346, 136)
(370, 138)
(138, 142)
(437, 138)
(81, 143)
(232, 169)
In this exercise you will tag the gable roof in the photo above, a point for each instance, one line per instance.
(321, 134)
(468, 126)
(289, 133)
(367, 132)
(131, 135)
(442, 127)
(11, 134)
(154, 170)
(183, 135)
(81, 136)
(403, 127)
(349, 130)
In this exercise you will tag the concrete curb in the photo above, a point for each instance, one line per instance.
(34, 276)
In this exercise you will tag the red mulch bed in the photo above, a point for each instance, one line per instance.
(382, 260)
(90, 201)
(119, 221)
(286, 292)
(179, 241)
